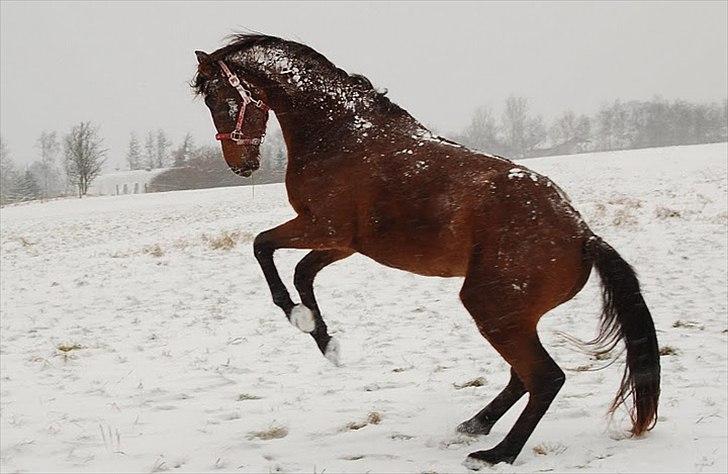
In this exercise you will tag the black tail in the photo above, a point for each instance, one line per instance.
(625, 317)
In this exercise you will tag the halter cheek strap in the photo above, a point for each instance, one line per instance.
(237, 134)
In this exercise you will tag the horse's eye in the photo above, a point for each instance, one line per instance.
(209, 101)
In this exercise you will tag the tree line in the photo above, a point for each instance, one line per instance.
(158, 151)
(82, 154)
(518, 133)
(69, 164)
(204, 167)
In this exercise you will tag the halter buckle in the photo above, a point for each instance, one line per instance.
(234, 80)
(236, 135)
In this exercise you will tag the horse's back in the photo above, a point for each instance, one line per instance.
(427, 211)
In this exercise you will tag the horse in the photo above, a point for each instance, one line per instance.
(364, 176)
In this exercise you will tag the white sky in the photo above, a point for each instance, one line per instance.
(125, 66)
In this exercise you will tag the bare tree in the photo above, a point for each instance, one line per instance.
(564, 128)
(162, 149)
(134, 153)
(84, 156)
(522, 133)
(45, 170)
(149, 152)
(533, 135)
(515, 114)
(182, 154)
(583, 132)
(8, 173)
(482, 132)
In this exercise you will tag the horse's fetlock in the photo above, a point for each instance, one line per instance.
(283, 302)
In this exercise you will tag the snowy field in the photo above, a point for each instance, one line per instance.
(138, 334)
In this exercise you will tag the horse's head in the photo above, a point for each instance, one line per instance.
(238, 111)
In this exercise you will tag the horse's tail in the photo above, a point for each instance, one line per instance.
(625, 317)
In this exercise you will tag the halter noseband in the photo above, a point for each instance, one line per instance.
(237, 134)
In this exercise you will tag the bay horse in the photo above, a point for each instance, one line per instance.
(364, 176)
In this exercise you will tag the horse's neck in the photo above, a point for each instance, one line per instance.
(320, 109)
(312, 132)
(320, 122)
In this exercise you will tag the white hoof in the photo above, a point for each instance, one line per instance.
(302, 318)
(333, 352)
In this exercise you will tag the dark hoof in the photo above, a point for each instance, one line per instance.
(479, 459)
(473, 427)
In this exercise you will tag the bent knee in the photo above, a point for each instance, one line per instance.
(262, 245)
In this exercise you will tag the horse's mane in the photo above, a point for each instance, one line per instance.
(242, 41)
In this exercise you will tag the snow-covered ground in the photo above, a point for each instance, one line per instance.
(138, 334)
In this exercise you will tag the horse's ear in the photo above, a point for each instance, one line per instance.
(202, 57)
(205, 65)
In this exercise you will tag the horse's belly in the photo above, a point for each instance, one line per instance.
(428, 234)
(427, 260)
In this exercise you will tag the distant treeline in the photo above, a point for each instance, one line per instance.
(205, 167)
(517, 133)
(82, 155)
(513, 132)
(69, 165)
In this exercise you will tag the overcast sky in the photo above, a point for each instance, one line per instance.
(125, 66)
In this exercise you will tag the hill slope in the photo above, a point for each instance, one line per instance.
(137, 334)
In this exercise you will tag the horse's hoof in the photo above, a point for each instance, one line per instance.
(473, 427)
(480, 459)
(333, 352)
(302, 318)
(474, 464)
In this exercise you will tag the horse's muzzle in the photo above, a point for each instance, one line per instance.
(247, 169)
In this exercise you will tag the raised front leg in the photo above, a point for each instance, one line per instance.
(306, 271)
(299, 233)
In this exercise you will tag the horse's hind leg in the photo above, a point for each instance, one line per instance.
(507, 319)
(484, 420)
(306, 271)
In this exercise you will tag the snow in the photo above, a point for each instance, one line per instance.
(138, 334)
(233, 106)
(423, 134)
(124, 182)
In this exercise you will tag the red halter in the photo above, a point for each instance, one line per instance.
(237, 134)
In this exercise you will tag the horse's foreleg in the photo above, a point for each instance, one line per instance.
(298, 233)
(306, 271)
